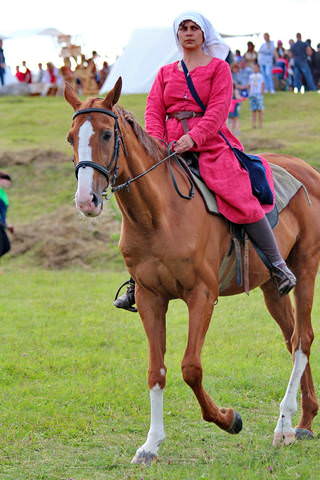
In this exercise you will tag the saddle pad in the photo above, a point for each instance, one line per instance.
(285, 184)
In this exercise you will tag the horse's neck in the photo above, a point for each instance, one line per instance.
(147, 199)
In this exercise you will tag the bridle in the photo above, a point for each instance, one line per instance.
(112, 169)
(113, 165)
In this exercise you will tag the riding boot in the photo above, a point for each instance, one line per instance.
(261, 234)
(127, 300)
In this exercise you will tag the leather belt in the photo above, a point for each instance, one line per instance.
(183, 116)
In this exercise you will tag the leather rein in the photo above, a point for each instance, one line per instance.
(111, 171)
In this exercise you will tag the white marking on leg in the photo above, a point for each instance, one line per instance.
(162, 371)
(156, 433)
(85, 175)
(288, 406)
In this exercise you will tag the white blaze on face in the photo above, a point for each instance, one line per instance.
(85, 175)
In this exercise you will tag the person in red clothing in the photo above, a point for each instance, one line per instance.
(27, 72)
(203, 52)
(20, 75)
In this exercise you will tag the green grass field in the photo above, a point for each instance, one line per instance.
(73, 399)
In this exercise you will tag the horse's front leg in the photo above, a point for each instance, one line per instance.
(152, 309)
(200, 305)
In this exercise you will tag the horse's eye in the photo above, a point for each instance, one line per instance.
(106, 135)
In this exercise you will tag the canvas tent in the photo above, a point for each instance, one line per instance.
(147, 50)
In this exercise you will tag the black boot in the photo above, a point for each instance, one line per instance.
(127, 300)
(261, 234)
(283, 278)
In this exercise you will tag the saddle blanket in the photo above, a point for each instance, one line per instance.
(285, 184)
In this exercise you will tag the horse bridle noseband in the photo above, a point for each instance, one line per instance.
(113, 165)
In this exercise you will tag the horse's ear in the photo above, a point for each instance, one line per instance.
(71, 96)
(114, 94)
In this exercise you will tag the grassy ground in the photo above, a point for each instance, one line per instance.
(74, 402)
(73, 398)
(291, 123)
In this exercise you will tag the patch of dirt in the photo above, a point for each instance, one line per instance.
(28, 157)
(262, 145)
(65, 238)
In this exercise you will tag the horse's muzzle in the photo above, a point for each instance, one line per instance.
(91, 207)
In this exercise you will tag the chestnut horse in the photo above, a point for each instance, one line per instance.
(174, 249)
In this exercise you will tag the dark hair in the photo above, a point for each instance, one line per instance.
(5, 176)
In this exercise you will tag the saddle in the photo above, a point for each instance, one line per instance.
(237, 259)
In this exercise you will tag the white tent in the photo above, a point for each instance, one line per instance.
(147, 51)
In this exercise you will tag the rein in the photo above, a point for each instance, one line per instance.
(113, 165)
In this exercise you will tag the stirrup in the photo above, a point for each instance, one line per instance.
(127, 300)
(283, 279)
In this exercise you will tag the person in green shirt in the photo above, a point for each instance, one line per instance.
(5, 183)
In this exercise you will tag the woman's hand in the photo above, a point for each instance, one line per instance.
(184, 144)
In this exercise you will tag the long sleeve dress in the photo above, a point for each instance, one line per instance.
(219, 167)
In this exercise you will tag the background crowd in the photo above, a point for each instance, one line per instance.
(82, 73)
(293, 67)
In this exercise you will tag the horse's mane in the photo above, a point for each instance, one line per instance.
(149, 143)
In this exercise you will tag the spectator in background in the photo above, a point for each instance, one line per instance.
(256, 89)
(280, 51)
(310, 52)
(5, 183)
(243, 78)
(40, 74)
(237, 56)
(51, 80)
(2, 64)
(19, 75)
(27, 73)
(92, 62)
(280, 70)
(251, 55)
(265, 60)
(38, 86)
(300, 51)
(103, 74)
(234, 111)
(316, 66)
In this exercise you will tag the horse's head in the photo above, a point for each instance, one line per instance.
(95, 138)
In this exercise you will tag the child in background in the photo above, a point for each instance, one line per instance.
(5, 182)
(256, 89)
(233, 117)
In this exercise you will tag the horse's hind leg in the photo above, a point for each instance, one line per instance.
(200, 306)
(298, 336)
(306, 269)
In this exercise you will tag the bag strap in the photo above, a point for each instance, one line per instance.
(195, 95)
(191, 87)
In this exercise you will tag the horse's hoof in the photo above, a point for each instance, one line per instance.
(236, 425)
(287, 438)
(145, 458)
(304, 434)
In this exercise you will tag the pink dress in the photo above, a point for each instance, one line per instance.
(218, 165)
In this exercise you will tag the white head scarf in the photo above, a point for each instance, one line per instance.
(213, 43)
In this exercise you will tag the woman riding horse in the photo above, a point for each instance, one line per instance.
(173, 115)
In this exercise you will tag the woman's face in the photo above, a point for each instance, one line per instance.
(190, 35)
